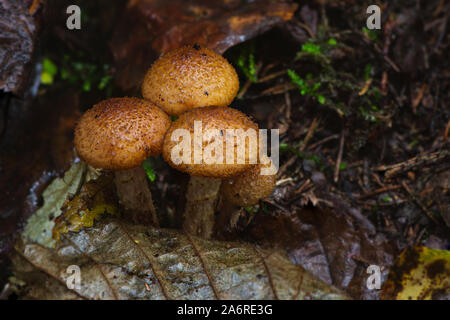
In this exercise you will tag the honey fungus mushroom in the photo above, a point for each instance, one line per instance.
(197, 143)
(250, 186)
(190, 77)
(245, 190)
(118, 134)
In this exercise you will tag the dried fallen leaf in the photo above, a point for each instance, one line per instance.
(119, 260)
(334, 244)
(420, 273)
(40, 224)
(151, 27)
(35, 147)
(19, 30)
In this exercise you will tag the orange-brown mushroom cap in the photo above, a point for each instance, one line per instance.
(249, 187)
(120, 133)
(219, 123)
(190, 77)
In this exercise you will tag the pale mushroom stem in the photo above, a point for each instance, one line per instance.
(135, 196)
(201, 200)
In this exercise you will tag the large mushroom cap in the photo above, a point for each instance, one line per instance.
(218, 121)
(249, 187)
(190, 77)
(120, 133)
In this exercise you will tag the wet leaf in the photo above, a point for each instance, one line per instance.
(420, 273)
(40, 225)
(36, 146)
(96, 198)
(18, 29)
(119, 260)
(331, 243)
(151, 27)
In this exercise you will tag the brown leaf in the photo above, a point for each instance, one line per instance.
(19, 30)
(327, 242)
(119, 260)
(151, 27)
(36, 146)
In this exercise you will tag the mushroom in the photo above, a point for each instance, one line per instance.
(190, 77)
(246, 190)
(249, 187)
(209, 151)
(118, 134)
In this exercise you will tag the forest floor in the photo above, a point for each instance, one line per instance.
(362, 114)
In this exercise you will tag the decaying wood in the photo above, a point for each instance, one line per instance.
(414, 163)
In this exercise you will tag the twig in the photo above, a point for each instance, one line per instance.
(416, 101)
(249, 82)
(278, 89)
(419, 237)
(283, 181)
(303, 145)
(303, 186)
(276, 205)
(309, 135)
(320, 142)
(377, 191)
(286, 165)
(339, 158)
(287, 98)
(307, 28)
(272, 76)
(413, 163)
(244, 89)
(446, 131)
(419, 203)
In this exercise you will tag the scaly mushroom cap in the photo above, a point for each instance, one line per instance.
(120, 133)
(190, 77)
(250, 186)
(218, 123)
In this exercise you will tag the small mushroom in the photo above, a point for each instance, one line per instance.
(245, 190)
(249, 187)
(204, 157)
(190, 77)
(118, 134)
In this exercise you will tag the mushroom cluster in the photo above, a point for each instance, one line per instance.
(196, 85)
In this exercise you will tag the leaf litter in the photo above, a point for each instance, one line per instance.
(119, 260)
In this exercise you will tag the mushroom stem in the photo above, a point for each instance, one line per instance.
(135, 196)
(201, 200)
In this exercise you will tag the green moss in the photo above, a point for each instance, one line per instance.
(148, 167)
(246, 62)
(311, 48)
(49, 70)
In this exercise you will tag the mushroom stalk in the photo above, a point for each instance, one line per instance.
(135, 196)
(201, 200)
